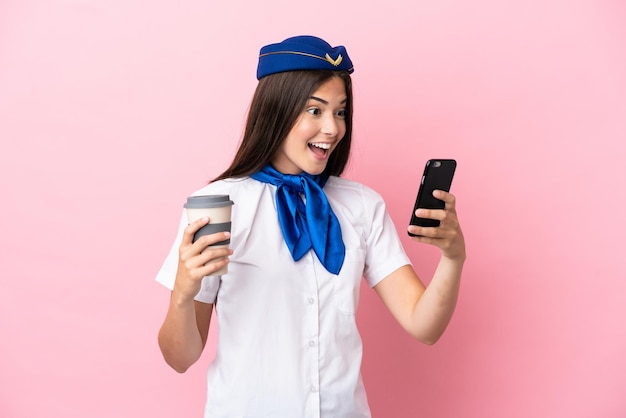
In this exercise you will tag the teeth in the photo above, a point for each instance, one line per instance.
(320, 145)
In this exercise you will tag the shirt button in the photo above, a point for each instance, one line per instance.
(311, 343)
(311, 301)
(314, 388)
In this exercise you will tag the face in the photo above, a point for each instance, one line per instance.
(316, 133)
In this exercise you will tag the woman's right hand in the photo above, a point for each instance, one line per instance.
(194, 262)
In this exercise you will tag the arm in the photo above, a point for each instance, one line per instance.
(184, 332)
(424, 312)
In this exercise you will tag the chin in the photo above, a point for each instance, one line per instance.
(314, 171)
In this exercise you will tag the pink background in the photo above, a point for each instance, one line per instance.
(111, 112)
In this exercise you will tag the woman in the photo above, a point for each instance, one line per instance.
(302, 238)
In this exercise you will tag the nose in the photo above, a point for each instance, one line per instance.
(330, 126)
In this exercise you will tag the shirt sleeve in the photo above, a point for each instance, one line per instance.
(385, 253)
(167, 274)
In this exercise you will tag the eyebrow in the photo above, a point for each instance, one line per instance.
(324, 101)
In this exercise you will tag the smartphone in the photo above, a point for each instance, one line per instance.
(437, 175)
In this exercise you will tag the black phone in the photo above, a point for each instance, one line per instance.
(437, 175)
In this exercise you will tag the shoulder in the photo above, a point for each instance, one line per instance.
(355, 200)
(228, 186)
(343, 189)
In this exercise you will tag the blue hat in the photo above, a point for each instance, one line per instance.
(302, 53)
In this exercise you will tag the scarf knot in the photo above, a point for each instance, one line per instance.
(309, 223)
(294, 182)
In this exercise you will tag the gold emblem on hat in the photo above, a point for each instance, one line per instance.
(334, 62)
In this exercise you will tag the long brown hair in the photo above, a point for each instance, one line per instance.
(277, 103)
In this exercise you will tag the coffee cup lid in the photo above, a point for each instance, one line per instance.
(209, 201)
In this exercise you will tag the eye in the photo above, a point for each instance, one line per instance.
(314, 110)
(341, 113)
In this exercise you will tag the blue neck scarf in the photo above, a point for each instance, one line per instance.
(305, 226)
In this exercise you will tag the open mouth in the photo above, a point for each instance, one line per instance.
(319, 148)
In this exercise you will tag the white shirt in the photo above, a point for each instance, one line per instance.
(288, 344)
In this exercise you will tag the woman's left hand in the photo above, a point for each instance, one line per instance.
(448, 235)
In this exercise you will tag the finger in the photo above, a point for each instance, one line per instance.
(191, 229)
(426, 231)
(442, 239)
(447, 197)
(414, 231)
(424, 240)
(212, 253)
(195, 262)
(210, 239)
(438, 214)
(214, 265)
(213, 259)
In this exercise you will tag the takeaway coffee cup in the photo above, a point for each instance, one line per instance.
(218, 209)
